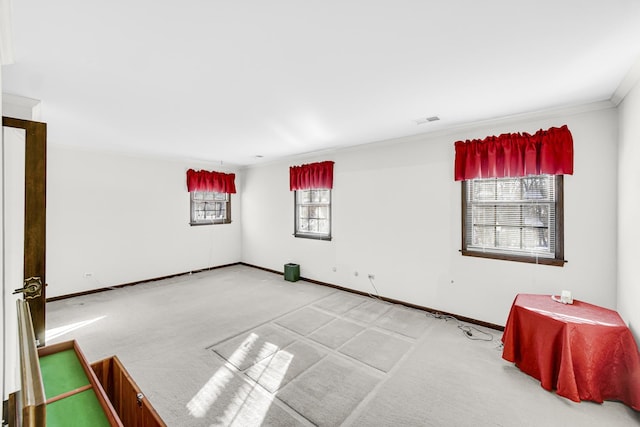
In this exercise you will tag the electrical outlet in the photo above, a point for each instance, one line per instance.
(372, 276)
(88, 274)
(355, 273)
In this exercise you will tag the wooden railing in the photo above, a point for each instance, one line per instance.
(30, 402)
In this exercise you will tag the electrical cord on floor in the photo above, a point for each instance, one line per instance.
(470, 332)
(377, 294)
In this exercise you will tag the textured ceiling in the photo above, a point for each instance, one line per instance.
(230, 80)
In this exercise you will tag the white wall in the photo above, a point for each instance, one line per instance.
(396, 214)
(124, 219)
(629, 211)
(3, 363)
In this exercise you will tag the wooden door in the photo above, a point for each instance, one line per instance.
(35, 184)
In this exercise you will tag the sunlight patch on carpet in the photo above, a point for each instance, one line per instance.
(247, 407)
(236, 401)
(275, 372)
(54, 333)
(199, 405)
(245, 350)
(230, 399)
(209, 393)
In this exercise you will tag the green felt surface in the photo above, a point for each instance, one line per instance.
(62, 372)
(78, 410)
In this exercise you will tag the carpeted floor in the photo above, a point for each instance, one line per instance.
(242, 347)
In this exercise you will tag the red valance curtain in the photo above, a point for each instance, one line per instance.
(211, 181)
(311, 176)
(513, 155)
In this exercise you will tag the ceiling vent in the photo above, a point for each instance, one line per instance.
(426, 120)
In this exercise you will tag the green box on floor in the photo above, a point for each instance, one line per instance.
(291, 272)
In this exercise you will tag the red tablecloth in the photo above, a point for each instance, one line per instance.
(583, 351)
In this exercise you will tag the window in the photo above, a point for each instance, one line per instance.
(516, 219)
(313, 214)
(209, 207)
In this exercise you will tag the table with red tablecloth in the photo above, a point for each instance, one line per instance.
(583, 351)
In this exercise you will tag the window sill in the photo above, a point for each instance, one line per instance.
(504, 257)
(197, 224)
(312, 236)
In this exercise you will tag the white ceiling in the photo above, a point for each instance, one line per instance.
(229, 80)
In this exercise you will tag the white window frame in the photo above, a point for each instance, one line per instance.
(306, 225)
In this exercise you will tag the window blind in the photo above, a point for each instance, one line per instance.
(512, 215)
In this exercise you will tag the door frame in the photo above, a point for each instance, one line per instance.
(35, 217)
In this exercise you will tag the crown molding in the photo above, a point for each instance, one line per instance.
(627, 83)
